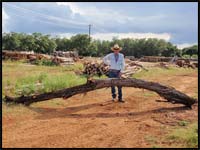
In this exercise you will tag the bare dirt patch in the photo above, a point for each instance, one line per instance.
(92, 120)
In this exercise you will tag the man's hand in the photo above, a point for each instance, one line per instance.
(120, 74)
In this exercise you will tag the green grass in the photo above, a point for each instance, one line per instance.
(149, 94)
(45, 62)
(44, 82)
(186, 136)
(21, 78)
(150, 139)
(183, 123)
(157, 72)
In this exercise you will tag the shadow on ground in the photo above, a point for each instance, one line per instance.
(72, 112)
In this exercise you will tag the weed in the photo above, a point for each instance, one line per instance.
(188, 137)
(156, 72)
(151, 139)
(183, 123)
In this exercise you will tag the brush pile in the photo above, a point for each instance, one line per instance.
(186, 64)
(155, 59)
(34, 58)
(95, 68)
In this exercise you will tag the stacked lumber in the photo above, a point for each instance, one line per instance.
(131, 68)
(155, 59)
(13, 55)
(163, 65)
(63, 61)
(131, 58)
(65, 54)
(68, 54)
(94, 68)
(33, 58)
(195, 64)
(186, 64)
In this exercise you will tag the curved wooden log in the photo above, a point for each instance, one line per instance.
(169, 93)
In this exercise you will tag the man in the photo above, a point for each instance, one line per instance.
(117, 64)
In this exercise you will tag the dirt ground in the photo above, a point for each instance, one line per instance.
(92, 120)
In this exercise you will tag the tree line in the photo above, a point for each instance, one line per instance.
(86, 46)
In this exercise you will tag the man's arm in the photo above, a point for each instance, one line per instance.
(106, 59)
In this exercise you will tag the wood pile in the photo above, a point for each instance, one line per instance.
(67, 54)
(131, 58)
(13, 55)
(178, 63)
(95, 68)
(163, 65)
(195, 64)
(32, 58)
(131, 68)
(62, 61)
(186, 64)
(155, 59)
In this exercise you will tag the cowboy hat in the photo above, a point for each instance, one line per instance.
(116, 47)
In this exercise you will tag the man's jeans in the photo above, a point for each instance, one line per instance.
(115, 74)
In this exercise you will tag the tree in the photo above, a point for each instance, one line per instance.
(63, 44)
(170, 50)
(43, 44)
(11, 41)
(169, 93)
(27, 43)
(40, 43)
(193, 50)
(80, 42)
(92, 49)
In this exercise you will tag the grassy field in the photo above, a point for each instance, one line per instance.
(22, 78)
(187, 135)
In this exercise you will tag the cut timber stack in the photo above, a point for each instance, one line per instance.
(13, 55)
(186, 64)
(32, 58)
(67, 54)
(132, 68)
(94, 68)
(163, 65)
(155, 59)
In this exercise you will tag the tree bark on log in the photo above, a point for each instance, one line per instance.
(169, 93)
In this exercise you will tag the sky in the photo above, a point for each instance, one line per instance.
(176, 22)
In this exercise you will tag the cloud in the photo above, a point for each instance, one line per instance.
(181, 46)
(133, 20)
(74, 8)
(27, 18)
(97, 15)
(5, 19)
(110, 36)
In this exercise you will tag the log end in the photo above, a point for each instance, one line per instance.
(9, 99)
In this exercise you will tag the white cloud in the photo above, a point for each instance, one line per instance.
(5, 18)
(63, 35)
(181, 46)
(109, 36)
(96, 15)
(74, 8)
